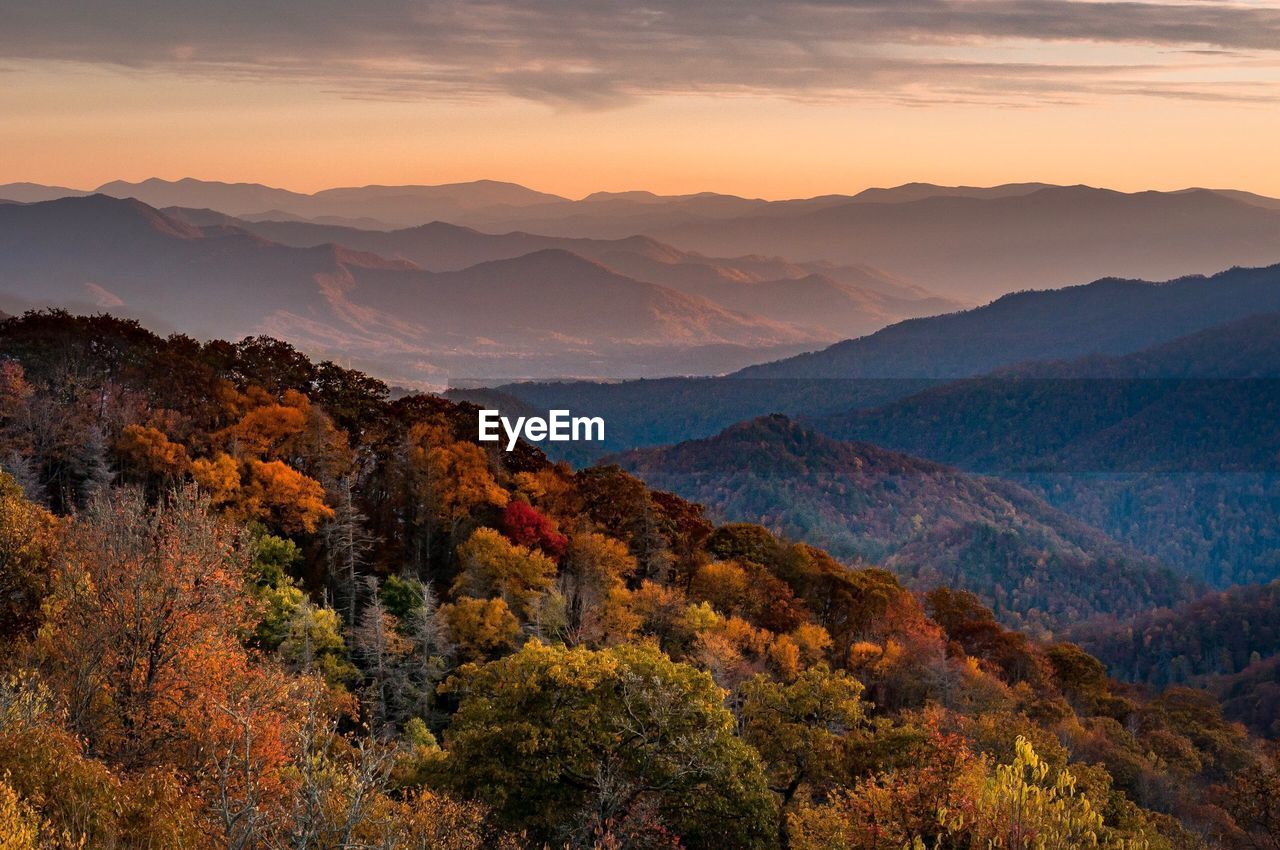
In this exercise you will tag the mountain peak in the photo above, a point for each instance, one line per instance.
(112, 214)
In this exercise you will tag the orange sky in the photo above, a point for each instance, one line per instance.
(1130, 112)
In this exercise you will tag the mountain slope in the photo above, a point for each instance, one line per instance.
(1217, 634)
(28, 193)
(1227, 643)
(1108, 316)
(1206, 402)
(933, 525)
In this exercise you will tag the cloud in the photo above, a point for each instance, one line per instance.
(601, 53)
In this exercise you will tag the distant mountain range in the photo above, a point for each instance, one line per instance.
(396, 205)
(966, 243)
(547, 312)
(935, 526)
(833, 301)
(981, 247)
(1209, 401)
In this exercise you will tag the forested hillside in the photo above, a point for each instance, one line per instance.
(1227, 642)
(250, 602)
(1172, 450)
(932, 525)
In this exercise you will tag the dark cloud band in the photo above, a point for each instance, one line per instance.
(592, 53)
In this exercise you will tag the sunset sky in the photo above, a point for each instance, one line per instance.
(770, 99)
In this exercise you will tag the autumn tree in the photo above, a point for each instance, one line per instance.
(277, 492)
(1029, 805)
(312, 641)
(271, 491)
(77, 800)
(493, 566)
(28, 539)
(527, 526)
(145, 612)
(19, 824)
(1253, 801)
(147, 456)
(900, 804)
(592, 579)
(449, 480)
(480, 628)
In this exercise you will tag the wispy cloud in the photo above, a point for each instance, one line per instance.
(601, 53)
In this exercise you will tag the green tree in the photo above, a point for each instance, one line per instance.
(571, 743)
(801, 728)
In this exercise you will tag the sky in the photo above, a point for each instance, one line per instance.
(764, 98)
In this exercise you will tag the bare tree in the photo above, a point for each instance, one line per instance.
(338, 782)
(382, 652)
(347, 547)
(432, 655)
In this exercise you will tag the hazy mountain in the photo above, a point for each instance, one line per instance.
(29, 193)
(549, 312)
(1249, 198)
(281, 215)
(919, 191)
(233, 198)
(967, 243)
(935, 526)
(399, 205)
(975, 247)
(1206, 403)
(616, 214)
(834, 302)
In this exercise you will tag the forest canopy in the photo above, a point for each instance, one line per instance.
(251, 601)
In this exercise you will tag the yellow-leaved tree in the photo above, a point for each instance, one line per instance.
(1029, 805)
